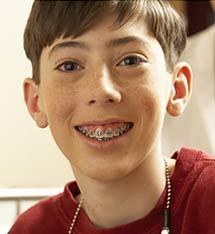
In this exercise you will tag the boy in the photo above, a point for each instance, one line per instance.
(104, 74)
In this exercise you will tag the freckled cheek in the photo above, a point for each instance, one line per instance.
(147, 102)
(60, 105)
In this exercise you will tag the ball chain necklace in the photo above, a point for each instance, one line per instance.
(166, 212)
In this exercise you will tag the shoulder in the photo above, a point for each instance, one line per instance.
(196, 162)
(195, 172)
(199, 179)
(204, 186)
(34, 219)
(205, 171)
(51, 215)
(193, 199)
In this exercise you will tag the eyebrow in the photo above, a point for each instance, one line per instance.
(68, 44)
(127, 40)
(112, 43)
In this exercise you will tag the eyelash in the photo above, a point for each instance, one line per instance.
(68, 63)
(137, 59)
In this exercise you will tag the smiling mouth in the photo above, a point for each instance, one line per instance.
(104, 133)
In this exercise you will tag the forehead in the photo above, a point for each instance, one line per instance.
(107, 34)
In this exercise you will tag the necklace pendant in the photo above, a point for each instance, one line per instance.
(165, 231)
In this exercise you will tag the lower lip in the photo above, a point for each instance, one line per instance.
(103, 144)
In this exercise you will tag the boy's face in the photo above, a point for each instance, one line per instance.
(105, 74)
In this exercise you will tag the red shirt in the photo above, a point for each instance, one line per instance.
(192, 205)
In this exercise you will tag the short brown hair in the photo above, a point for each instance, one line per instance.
(50, 20)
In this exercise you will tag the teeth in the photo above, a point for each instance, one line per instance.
(84, 130)
(116, 132)
(88, 132)
(92, 134)
(98, 133)
(122, 129)
(107, 135)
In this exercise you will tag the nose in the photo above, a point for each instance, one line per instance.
(103, 88)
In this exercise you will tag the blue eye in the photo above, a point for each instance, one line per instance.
(69, 66)
(131, 61)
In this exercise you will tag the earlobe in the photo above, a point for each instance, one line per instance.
(181, 89)
(31, 97)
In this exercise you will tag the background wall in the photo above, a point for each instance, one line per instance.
(199, 14)
(28, 155)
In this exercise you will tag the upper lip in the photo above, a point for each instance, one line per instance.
(103, 122)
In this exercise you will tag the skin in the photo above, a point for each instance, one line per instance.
(103, 86)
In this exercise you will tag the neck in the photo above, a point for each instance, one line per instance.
(113, 203)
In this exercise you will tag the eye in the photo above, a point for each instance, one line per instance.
(68, 66)
(131, 61)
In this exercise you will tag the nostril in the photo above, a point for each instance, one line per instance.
(93, 101)
(111, 100)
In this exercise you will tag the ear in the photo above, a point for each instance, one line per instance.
(32, 100)
(181, 89)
